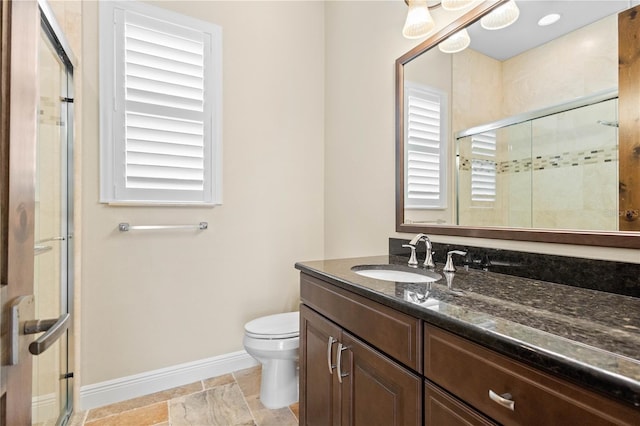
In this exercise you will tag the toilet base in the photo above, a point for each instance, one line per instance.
(279, 387)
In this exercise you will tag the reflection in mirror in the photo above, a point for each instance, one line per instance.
(528, 132)
(555, 171)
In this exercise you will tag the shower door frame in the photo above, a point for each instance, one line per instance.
(53, 32)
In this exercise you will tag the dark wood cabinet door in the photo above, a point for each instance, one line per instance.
(441, 409)
(319, 390)
(375, 389)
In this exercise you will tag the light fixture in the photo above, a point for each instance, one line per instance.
(549, 19)
(455, 4)
(419, 22)
(456, 42)
(501, 17)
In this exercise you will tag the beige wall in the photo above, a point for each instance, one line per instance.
(587, 62)
(309, 111)
(156, 299)
(359, 142)
(359, 129)
(363, 40)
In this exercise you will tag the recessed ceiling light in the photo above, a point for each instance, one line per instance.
(549, 19)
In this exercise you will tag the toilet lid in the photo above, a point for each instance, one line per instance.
(278, 326)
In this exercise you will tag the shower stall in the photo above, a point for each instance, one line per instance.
(554, 168)
(52, 377)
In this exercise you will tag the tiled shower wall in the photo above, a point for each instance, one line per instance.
(561, 171)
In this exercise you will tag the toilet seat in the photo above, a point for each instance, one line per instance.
(278, 326)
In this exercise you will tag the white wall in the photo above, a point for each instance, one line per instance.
(363, 39)
(156, 299)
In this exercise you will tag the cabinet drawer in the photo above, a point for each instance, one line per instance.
(392, 332)
(471, 372)
(442, 409)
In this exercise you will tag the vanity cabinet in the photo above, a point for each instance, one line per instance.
(510, 392)
(364, 363)
(344, 380)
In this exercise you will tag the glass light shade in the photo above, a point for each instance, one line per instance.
(455, 4)
(502, 17)
(456, 42)
(419, 21)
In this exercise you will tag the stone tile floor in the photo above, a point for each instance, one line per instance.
(228, 400)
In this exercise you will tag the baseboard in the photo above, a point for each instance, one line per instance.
(111, 391)
(44, 408)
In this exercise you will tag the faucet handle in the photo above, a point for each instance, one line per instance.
(449, 267)
(413, 262)
(428, 259)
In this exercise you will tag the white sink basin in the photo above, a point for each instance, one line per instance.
(396, 273)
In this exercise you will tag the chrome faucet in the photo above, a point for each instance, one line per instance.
(449, 266)
(412, 259)
(428, 260)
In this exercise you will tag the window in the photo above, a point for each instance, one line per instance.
(425, 148)
(160, 106)
(483, 167)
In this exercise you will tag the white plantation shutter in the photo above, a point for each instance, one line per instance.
(160, 110)
(483, 167)
(425, 148)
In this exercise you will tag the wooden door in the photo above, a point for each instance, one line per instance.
(376, 390)
(319, 390)
(20, 29)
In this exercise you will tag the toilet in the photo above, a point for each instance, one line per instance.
(273, 340)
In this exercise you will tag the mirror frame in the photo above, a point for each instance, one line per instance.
(621, 239)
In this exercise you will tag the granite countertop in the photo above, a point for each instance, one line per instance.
(587, 336)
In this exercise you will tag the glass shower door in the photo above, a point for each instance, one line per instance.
(576, 153)
(51, 397)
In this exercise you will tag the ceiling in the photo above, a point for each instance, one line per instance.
(525, 33)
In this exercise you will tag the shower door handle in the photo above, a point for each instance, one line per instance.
(53, 328)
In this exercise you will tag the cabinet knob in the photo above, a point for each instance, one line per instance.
(504, 400)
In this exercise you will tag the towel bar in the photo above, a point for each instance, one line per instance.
(124, 227)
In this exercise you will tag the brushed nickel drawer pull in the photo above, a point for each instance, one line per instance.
(504, 400)
(329, 345)
(341, 348)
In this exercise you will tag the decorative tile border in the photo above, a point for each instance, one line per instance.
(565, 159)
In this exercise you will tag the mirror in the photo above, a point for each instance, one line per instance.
(524, 136)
